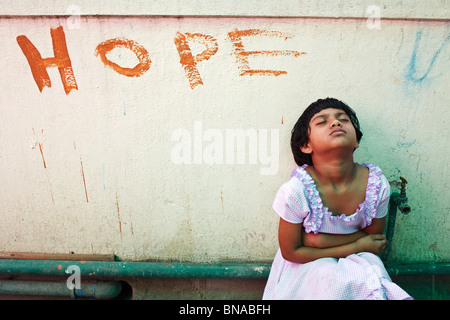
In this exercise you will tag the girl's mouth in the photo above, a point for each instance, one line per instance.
(337, 132)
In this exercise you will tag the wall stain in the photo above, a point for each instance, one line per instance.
(41, 149)
(84, 180)
(42, 154)
(406, 144)
(221, 199)
(118, 215)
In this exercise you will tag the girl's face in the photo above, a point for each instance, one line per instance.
(329, 129)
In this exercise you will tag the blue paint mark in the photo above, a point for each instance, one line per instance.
(124, 105)
(79, 293)
(406, 144)
(411, 71)
(93, 288)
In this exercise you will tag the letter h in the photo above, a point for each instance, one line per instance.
(61, 60)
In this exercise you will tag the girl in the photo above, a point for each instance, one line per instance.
(332, 214)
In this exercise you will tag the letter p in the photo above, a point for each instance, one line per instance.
(187, 60)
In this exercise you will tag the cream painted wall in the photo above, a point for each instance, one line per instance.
(111, 182)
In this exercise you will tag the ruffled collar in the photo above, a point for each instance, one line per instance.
(318, 210)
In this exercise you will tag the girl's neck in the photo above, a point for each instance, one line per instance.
(338, 171)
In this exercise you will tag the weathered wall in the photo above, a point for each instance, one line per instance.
(142, 163)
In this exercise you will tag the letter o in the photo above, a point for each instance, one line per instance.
(141, 53)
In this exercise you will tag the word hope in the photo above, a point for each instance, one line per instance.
(188, 60)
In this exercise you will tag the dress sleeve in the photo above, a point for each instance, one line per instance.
(290, 202)
(383, 203)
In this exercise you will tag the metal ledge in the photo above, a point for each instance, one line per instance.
(124, 269)
(91, 289)
(113, 269)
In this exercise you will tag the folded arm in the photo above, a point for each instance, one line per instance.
(296, 246)
(327, 240)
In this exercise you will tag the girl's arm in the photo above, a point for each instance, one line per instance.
(377, 226)
(327, 240)
(293, 249)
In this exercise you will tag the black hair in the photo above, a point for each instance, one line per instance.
(300, 132)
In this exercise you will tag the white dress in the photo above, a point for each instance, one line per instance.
(359, 276)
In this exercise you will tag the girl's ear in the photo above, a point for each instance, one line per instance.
(306, 148)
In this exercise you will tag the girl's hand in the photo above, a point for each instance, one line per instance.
(373, 243)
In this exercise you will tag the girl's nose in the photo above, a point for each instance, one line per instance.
(336, 123)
